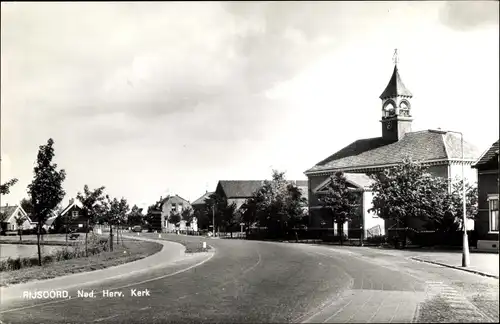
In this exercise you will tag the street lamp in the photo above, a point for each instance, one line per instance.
(465, 244)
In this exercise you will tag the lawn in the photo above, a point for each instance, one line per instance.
(126, 251)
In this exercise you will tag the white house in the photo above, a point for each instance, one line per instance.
(11, 213)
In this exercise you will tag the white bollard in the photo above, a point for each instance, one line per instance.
(204, 245)
(159, 235)
(137, 234)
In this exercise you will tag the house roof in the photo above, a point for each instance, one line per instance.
(201, 200)
(240, 188)
(423, 146)
(488, 155)
(246, 188)
(359, 180)
(70, 205)
(8, 211)
(395, 87)
(173, 196)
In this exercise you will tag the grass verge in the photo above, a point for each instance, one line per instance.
(128, 251)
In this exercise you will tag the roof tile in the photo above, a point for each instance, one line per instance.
(421, 146)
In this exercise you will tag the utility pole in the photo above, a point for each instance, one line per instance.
(465, 243)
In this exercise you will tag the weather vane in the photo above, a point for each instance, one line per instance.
(395, 57)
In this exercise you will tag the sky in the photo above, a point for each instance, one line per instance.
(151, 99)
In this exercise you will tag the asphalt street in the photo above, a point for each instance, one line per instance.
(251, 281)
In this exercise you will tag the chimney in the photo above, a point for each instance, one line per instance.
(72, 200)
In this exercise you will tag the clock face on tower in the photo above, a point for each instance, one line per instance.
(389, 125)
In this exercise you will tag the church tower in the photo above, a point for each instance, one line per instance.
(396, 107)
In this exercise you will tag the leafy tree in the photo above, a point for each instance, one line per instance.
(215, 205)
(123, 209)
(452, 217)
(149, 218)
(408, 191)
(90, 200)
(27, 206)
(46, 189)
(5, 188)
(202, 217)
(340, 202)
(174, 217)
(109, 213)
(187, 214)
(19, 222)
(135, 216)
(277, 205)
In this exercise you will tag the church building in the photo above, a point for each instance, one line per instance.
(440, 151)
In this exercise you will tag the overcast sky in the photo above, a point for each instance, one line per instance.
(150, 99)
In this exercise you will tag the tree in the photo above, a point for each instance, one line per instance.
(277, 205)
(187, 215)
(452, 218)
(202, 216)
(5, 188)
(27, 206)
(109, 213)
(90, 199)
(123, 209)
(19, 222)
(339, 201)
(174, 217)
(214, 205)
(149, 219)
(46, 189)
(135, 216)
(408, 191)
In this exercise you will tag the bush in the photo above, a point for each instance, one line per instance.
(377, 239)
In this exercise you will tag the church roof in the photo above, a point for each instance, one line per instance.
(488, 155)
(423, 146)
(395, 87)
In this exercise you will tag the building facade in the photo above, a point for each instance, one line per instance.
(487, 220)
(440, 151)
(175, 204)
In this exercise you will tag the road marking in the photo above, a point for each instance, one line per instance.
(144, 308)
(341, 309)
(105, 318)
(126, 286)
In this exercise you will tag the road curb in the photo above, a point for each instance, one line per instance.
(455, 267)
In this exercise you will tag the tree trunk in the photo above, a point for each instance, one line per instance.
(66, 220)
(86, 237)
(341, 231)
(38, 243)
(111, 237)
(117, 234)
(20, 235)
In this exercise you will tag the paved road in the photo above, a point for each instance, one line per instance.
(248, 281)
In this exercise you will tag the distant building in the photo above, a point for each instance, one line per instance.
(238, 191)
(71, 217)
(486, 223)
(439, 150)
(10, 213)
(177, 204)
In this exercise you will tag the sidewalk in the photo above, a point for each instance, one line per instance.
(170, 253)
(485, 264)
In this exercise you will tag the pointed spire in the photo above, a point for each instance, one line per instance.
(396, 86)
